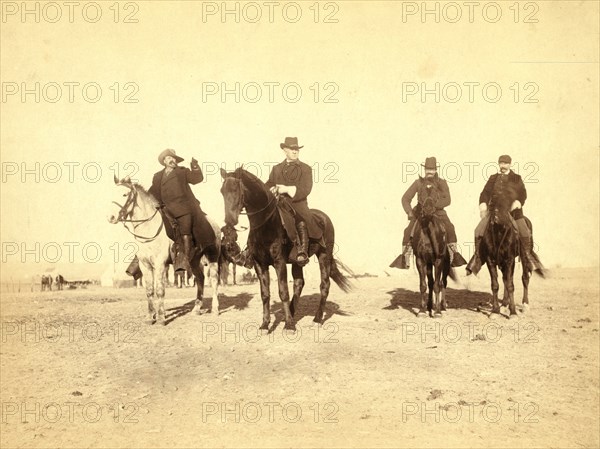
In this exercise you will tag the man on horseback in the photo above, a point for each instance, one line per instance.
(431, 180)
(291, 181)
(171, 187)
(505, 187)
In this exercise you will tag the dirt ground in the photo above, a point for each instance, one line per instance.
(79, 368)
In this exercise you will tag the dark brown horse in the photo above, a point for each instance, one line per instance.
(269, 245)
(499, 248)
(431, 253)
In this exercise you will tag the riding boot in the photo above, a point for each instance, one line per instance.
(528, 258)
(474, 264)
(456, 259)
(302, 244)
(182, 260)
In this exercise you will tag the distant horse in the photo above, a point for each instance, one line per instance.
(269, 244)
(139, 212)
(60, 282)
(431, 253)
(498, 249)
(46, 282)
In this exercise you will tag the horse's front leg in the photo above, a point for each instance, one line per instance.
(507, 278)
(525, 279)
(436, 288)
(422, 268)
(430, 283)
(495, 288)
(198, 271)
(160, 278)
(284, 294)
(298, 276)
(213, 276)
(262, 272)
(148, 277)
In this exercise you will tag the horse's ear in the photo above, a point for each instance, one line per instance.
(223, 173)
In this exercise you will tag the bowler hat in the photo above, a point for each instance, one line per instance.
(168, 152)
(430, 163)
(290, 142)
(504, 158)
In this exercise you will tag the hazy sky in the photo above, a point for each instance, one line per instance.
(351, 92)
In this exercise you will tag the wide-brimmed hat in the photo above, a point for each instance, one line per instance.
(505, 158)
(430, 163)
(168, 152)
(290, 142)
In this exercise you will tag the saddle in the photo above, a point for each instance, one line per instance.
(287, 215)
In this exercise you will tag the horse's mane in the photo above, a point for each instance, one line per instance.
(141, 190)
(246, 175)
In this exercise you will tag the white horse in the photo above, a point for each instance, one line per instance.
(140, 216)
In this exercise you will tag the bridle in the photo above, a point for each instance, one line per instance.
(251, 214)
(126, 210)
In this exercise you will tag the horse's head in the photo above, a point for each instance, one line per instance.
(428, 198)
(233, 195)
(123, 207)
(241, 189)
(500, 212)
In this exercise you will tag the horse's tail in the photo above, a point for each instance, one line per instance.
(338, 277)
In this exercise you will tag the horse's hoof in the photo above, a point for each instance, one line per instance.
(318, 320)
(525, 308)
(264, 327)
(421, 314)
(290, 327)
(150, 322)
(161, 321)
(437, 315)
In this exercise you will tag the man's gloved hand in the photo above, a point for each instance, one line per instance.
(194, 164)
(274, 190)
(411, 215)
(516, 205)
(482, 210)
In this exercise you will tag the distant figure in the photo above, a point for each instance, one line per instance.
(46, 282)
(60, 281)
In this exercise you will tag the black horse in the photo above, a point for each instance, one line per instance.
(431, 253)
(499, 248)
(269, 245)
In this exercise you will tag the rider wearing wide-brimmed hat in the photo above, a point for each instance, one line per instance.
(433, 181)
(171, 187)
(292, 181)
(505, 187)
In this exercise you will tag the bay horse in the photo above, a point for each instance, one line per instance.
(431, 254)
(498, 249)
(155, 249)
(269, 245)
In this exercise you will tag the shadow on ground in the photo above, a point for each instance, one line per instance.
(226, 303)
(456, 299)
(307, 307)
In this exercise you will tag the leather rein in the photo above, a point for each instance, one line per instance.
(124, 213)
